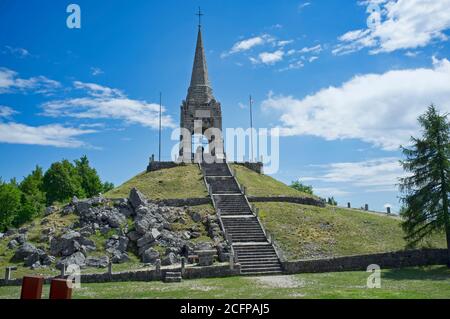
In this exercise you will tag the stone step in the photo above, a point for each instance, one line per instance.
(261, 273)
(171, 277)
(260, 268)
(257, 260)
(246, 263)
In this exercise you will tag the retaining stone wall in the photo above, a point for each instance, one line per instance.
(287, 199)
(400, 259)
(147, 275)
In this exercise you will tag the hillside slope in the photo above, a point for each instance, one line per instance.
(263, 185)
(178, 182)
(305, 232)
(187, 182)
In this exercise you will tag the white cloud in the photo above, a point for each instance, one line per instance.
(10, 83)
(403, 24)
(330, 191)
(376, 175)
(380, 109)
(315, 49)
(269, 58)
(303, 5)
(313, 58)
(96, 71)
(6, 111)
(48, 135)
(107, 103)
(247, 44)
(284, 43)
(97, 90)
(19, 52)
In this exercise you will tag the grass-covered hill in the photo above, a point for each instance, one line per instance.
(187, 182)
(301, 231)
(305, 232)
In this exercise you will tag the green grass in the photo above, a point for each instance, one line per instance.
(179, 182)
(305, 232)
(410, 283)
(263, 185)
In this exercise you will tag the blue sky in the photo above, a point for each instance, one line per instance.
(344, 92)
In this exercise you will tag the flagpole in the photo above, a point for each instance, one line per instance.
(251, 129)
(160, 116)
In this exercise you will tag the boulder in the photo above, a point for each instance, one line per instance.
(136, 198)
(196, 217)
(67, 210)
(97, 262)
(170, 259)
(118, 257)
(150, 256)
(133, 235)
(77, 258)
(82, 207)
(13, 244)
(50, 210)
(33, 258)
(24, 252)
(47, 260)
(69, 243)
(21, 238)
(145, 240)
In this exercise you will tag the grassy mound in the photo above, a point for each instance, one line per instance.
(187, 182)
(263, 185)
(305, 232)
(178, 182)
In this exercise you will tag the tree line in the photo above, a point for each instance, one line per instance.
(24, 201)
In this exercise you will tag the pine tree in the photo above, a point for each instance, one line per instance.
(426, 189)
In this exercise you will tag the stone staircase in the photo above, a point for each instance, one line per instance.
(252, 249)
(172, 276)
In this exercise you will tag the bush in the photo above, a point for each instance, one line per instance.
(302, 188)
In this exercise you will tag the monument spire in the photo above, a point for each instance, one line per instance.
(200, 88)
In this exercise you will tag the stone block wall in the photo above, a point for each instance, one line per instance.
(184, 202)
(286, 199)
(157, 166)
(147, 275)
(400, 259)
(257, 167)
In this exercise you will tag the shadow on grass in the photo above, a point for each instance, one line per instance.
(438, 273)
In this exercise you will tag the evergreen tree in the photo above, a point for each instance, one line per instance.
(9, 203)
(331, 201)
(426, 190)
(90, 181)
(107, 186)
(61, 182)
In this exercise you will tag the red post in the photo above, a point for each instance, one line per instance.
(59, 289)
(32, 287)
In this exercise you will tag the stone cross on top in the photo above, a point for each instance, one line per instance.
(199, 14)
